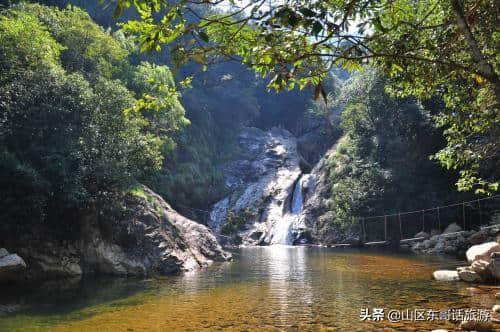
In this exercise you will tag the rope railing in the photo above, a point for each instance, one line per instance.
(431, 209)
(421, 219)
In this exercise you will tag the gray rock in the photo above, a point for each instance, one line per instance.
(468, 274)
(494, 266)
(446, 275)
(147, 237)
(12, 268)
(435, 232)
(3, 252)
(423, 235)
(450, 249)
(261, 182)
(452, 228)
(478, 237)
(481, 267)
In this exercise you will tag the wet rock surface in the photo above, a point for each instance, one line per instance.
(261, 184)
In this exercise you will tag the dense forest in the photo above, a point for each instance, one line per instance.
(328, 159)
(91, 106)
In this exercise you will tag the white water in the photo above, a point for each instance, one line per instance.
(282, 229)
(297, 198)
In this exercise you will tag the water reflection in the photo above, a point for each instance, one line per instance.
(266, 288)
(289, 284)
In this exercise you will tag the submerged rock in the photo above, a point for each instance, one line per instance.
(445, 275)
(481, 267)
(476, 325)
(467, 274)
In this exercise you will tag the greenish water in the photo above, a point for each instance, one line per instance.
(265, 288)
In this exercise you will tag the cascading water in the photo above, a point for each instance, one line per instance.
(282, 230)
(297, 198)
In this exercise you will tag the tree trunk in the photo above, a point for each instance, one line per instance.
(485, 69)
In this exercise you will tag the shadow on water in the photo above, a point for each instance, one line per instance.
(264, 288)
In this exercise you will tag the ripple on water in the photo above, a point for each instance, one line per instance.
(265, 288)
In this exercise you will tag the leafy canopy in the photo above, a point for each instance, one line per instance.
(429, 48)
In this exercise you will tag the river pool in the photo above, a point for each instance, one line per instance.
(264, 288)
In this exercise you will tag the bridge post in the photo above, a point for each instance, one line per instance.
(439, 220)
(480, 214)
(385, 228)
(423, 220)
(463, 214)
(400, 226)
(364, 229)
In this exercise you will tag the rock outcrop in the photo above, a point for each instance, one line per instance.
(142, 236)
(12, 267)
(316, 214)
(456, 244)
(261, 183)
(484, 260)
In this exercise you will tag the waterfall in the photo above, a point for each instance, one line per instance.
(296, 206)
(282, 230)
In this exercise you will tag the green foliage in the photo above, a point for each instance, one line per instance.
(235, 221)
(382, 159)
(66, 141)
(88, 49)
(429, 48)
(220, 100)
(38, 47)
(461, 67)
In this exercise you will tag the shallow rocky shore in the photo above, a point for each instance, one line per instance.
(483, 257)
(453, 241)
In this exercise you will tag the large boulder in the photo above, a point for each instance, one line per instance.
(12, 267)
(446, 275)
(452, 228)
(138, 234)
(494, 266)
(482, 251)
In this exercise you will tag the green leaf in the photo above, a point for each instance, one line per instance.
(203, 35)
(307, 12)
(317, 27)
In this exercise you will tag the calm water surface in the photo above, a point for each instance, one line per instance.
(266, 288)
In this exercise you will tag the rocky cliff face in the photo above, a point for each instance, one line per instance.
(144, 236)
(317, 215)
(261, 183)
